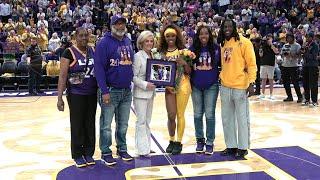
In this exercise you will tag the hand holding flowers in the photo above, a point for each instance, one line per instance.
(185, 58)
(188, 56)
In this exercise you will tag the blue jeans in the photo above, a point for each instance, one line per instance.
(204, 102)
(235, 117)
(120, 107)
(278, 73)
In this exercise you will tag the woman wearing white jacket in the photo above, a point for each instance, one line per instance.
(54, 42)
(143, 93)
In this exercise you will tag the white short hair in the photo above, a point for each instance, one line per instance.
(142, 37)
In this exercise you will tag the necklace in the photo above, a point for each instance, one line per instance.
(172, 50)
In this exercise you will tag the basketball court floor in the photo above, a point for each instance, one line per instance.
(285, 144)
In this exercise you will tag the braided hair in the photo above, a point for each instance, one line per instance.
(221, 37)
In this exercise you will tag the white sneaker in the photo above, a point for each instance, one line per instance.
(261, 96)
(272, 97)
(313, 105)
(306, 103)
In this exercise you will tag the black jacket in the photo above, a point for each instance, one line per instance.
(310, 55)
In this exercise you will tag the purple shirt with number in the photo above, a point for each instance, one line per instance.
(89, 84)
(113, 63)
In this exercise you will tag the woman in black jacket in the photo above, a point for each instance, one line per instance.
(310, 70)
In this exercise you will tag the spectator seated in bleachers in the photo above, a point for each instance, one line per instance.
(54, 20)
(54, 42)
(53, 68)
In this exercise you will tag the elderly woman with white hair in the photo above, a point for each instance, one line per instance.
(54, 42)
(143, 94)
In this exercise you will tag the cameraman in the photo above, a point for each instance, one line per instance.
(267, 54)
(289, 72)
(310, 70)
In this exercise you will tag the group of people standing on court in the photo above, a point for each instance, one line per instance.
(292, 59)
(111, 68)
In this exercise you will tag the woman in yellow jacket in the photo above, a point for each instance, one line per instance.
(171, 41)
(43, 38)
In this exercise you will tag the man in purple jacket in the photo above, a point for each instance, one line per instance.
(113, 69)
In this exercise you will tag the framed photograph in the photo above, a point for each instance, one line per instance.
(161, 72)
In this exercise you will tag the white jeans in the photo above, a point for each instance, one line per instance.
(235, 109)
(143, 109)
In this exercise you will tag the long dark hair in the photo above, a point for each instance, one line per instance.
(211, 44)
(163, 45)
(221, 37)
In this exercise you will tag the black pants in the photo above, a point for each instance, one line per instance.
(258, 81)
(5, 18)
(310, 83)
(290, 75)
(82, 122)
(34, 79)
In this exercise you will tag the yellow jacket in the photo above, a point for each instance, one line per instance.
(26, 39)
(13, 39)
(141, 22)
(238, 62)
(43, 41)
(134, 17)
(9, 26)
(20, 27)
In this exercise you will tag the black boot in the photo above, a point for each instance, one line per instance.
(177, 148)
(288, 99)
(32, 93)
(241, 153)
(299, 100)
(170, 147)
(229, 151)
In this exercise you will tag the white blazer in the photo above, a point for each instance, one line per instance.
(139, 76)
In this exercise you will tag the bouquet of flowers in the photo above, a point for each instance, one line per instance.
(187, 56)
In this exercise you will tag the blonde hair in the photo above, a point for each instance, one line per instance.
(142, 37)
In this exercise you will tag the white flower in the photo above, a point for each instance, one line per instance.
(154, 50)
(155, 53)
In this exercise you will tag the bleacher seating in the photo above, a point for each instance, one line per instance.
(8, 79)
(22, 75)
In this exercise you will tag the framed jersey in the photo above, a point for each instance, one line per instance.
(161, 72)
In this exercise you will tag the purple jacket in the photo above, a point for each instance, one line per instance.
(113, 63)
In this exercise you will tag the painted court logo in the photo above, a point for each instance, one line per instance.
(269, 163)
